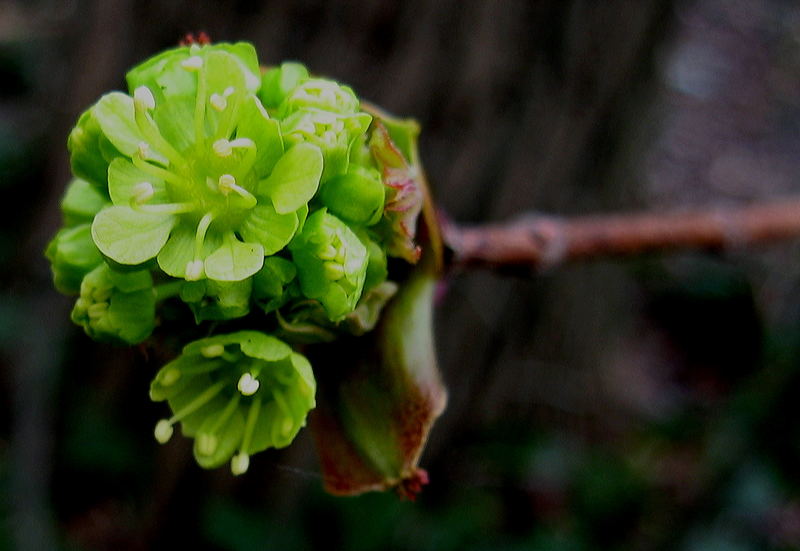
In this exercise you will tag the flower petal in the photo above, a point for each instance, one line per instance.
(130, 237)
(123, 176)
(295, 178)
(254, 123)
(272, 230)
(234, 261)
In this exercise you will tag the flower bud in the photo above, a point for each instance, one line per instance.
(356, 197)
(116, 307)
(331, 263)
(374, 415)
(72, 255)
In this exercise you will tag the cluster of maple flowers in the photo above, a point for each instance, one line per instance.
(262, 200)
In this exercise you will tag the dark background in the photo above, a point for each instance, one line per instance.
(645, 404)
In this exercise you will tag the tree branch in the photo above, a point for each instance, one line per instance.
(542, 241)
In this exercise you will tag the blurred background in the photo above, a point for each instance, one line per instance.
(644, 404)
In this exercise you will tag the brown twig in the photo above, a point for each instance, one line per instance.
(542, 241)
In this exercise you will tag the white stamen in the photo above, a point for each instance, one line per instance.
(143, 98)
(194, 270)
(142, 192)
(226, 183)
(192, 64)
(218, 102)
(163, 431)
(212, 351)
(240, 463)
(222, 148)
(248, 385)
(228, 91)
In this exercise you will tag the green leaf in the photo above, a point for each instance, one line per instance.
(272, 230)
(234, 261)
(295, 178)
(81, 202)
(114, 114)
(254, 123)
(123, 176)
(130, 237)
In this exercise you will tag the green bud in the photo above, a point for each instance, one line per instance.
(217, 300)
(90, 150)
(320, 93)
(236, 395)
(72, 255)
(278, 82)
(332, 132)
(81, 202)
(271, 284)
(355, 197)
(116, 307)
(375, 414)
(331, 263)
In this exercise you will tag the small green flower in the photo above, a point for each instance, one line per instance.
(202, 181)
(331, 263)
(277, 82)
(116, 307)
(236, 395)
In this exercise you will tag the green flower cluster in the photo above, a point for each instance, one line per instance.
(234, 191)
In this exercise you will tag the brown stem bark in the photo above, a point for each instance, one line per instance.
(543, 241)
